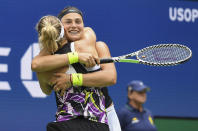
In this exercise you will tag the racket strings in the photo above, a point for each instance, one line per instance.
(166, 54)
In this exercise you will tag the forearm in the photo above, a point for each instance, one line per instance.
(48, 63)
(101, 78)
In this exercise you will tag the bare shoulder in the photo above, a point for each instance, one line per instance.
(101, 45)
(88, 29)
(102, 49)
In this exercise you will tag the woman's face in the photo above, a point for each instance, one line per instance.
(73, 25)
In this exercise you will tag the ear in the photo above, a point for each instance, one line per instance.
(130, 95)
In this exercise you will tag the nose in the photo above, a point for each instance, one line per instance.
(73, 24)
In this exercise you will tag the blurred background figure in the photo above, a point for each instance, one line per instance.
(133, 116)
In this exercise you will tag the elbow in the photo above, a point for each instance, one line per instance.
(113, 81)
(114, 78)
(34, 66)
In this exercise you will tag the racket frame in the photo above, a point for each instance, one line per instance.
(140, 61)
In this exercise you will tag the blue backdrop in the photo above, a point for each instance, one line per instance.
(126, 26)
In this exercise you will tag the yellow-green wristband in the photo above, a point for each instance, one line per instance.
(73, 57)
(77, 79)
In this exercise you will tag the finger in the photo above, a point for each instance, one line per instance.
(87, 64)
(56, 88)
(58, 74)
(97, 60)
(92, 62)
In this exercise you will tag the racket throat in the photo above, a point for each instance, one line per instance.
(129, 61)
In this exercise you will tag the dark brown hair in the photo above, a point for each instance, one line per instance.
(69, 9)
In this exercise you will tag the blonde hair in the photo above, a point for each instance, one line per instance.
(50, 33)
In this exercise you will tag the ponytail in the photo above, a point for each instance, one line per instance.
(51, 32)
(48, 38)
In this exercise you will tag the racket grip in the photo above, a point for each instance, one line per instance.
(106, 60)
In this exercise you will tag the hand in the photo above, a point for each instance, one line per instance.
(88, 59)
(61, 82)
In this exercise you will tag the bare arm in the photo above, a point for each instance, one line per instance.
(46, 62)
(107, 76)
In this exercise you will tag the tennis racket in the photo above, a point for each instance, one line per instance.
(156, 55)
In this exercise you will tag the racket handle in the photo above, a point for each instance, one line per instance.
(106, 60)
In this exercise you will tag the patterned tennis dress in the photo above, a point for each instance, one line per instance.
(88, 102)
